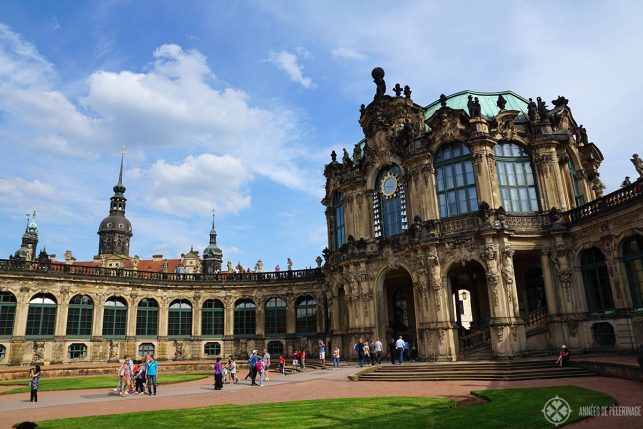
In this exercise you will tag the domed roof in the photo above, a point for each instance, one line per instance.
(115, 223)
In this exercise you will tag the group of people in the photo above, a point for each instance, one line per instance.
(135, 375)
(369, 351)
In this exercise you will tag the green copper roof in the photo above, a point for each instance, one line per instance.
(32, 225)
(487, 102)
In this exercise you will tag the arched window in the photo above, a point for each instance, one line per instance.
(275, 348)
(147, 318)
(77, 351)
(80, 316)
(212, 318)
(41, 318)
(455, 181)
(389, 203)
(579, 198)
(212, 349)
(7, 313)
(146, 349)
(633, 260)
(400, 311)
(596, 280)
(339, 233)
(115, 317)
(515, 178)
(306, 321)
(180, 319)
(244, 318)
(604, 334)
(275, 317)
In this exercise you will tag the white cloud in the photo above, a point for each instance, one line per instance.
(289, 63)
(347, 53)
(198, 184)
(19, 192)
(21, 64)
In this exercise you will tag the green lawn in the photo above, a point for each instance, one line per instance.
(508, 408)
(97, 382)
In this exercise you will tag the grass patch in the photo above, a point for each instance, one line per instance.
(509, 408)
(97, 382)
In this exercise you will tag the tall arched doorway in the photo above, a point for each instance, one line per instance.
(399, 316)
(470, 310)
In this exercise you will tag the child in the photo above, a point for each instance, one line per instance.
(282, 365)
(34, 375)
(295, 360)
(233, 371)
(124, 374)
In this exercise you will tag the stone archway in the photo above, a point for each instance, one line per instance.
(470, 306)
(397, 310)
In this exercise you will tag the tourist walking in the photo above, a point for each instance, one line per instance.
(266, 363)
(218, 375)
(378, 351)
(302, 359)
(141, 377)
(233, 370)
(399, 346)
(252, 365)
(366, 355)
(152, 369)
(322, 354)
(261, 371)
(295, 360)
(391, 351)
(282, 364)
(335, 357)
(124, 374)
(34, 382)
(371, 352)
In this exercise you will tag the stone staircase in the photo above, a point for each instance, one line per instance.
(471, 370)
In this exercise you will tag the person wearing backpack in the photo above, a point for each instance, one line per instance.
(252, 366)
(359, 348)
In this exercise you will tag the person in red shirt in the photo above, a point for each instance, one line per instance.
(282, 365)
(295, 360)
(302, 360)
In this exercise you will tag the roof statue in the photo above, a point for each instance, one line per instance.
(407, 91)
(532, 110)
(560, 101)
(638, 165)
(378, 78)
(501, 103)
(542, 108)
(397, 89)
(443, 100)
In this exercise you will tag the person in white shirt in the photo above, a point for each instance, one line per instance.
(399, 346)
(378, 351)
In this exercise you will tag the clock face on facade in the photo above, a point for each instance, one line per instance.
(389, 185)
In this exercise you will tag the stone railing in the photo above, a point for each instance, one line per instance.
(126, 274)
(475, 339)
(535, 319)
(608, 202)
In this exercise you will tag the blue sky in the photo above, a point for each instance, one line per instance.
(236, 105)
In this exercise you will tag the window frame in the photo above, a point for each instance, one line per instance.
(149, 315)
(245, 318)
(212, 319)
(179, 319)
(8, 305)
(305, 316)
(116, 315)
(80, 348)
(41, 307)
(634, 274)
(80, 317)
(596, 282)
(389, 213)
(511, 194)
(275, 317)
(339, 222)
(448, 168)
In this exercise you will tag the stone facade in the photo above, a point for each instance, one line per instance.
(521, 269)
(473, 227)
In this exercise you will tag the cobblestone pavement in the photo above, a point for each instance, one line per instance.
(317, 384)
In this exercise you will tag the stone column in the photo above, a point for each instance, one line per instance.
(130, 330)
(547, 174)
(97, 319)
(228, 316)
(22, 310)
(62, 310)
(196, 320)
(550, 293)
(163, 318)
(260, 317)
(484, 168)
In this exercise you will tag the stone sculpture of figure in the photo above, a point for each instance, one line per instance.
(638, 165)
(582, 136)
(443, 100)
(318, 259)
(362, 109)
(178, 353)
(501, 103)
(407, 131)
(407, 91)
(38, 352)
(378, 78)
(113, 349)
(560, 101)
(229, 265)
(598, 187)
(532, 110)
(357, 153)
(477, 109)
(346, 159)
(259, 266)
(397, 89)
(471, 106)
(289, 264)
(542, 108)
(333, 156)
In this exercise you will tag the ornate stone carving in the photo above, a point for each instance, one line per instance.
(506, 128)
(178, 350)
(492, 280)
(477, 161)
(514, 331)
(572, 327)
(113, 350)
(500, 333)
(488, 254)
(638, 164)
(441, 335)
(491, 163)
(542, 161)
(462, 250)
(38, 352)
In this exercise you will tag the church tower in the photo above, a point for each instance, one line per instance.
(115, 230)
(212, 255)
(27, 251)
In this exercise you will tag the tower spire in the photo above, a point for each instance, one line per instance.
(213, 218)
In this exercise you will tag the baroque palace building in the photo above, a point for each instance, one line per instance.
(474, 227)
